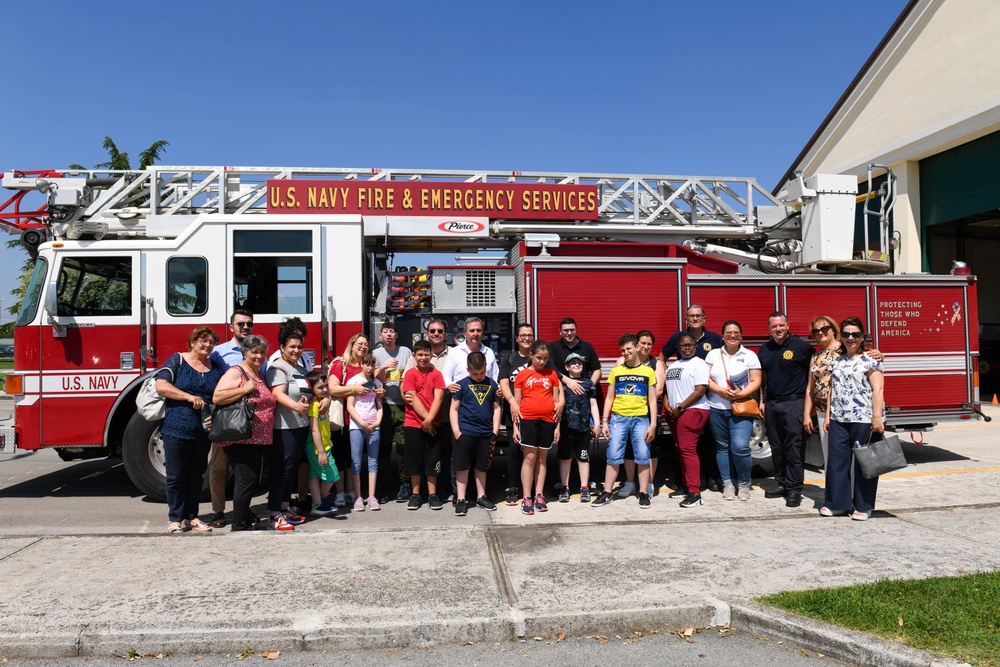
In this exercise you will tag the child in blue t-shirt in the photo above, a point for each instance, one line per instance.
(475, 421)
(579, 420)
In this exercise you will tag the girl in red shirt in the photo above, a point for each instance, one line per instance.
(536, 409)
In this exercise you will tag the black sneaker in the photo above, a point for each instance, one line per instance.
(564, 495)
(644, 501)
(681, 492)
(434, 502)
(414, 503)
(512, 497)
(403, 494)
(604, 499)
(460, 507)
(486, 504)
(691, 500)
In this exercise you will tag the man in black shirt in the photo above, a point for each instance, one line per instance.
(568, 343)
(785, 360)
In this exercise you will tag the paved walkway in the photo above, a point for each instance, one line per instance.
(427, 577)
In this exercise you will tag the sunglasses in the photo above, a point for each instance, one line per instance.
(435, 331)
(852, 334)
(822, 330)
(245, 325)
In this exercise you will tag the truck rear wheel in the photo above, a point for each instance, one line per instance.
(142, 453)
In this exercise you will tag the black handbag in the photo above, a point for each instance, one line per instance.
(880, 457)
(234, 421)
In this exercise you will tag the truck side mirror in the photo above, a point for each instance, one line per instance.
(51, 306)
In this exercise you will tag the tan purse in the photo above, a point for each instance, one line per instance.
(744, 407)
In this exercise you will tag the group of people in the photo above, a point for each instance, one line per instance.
(705, 385)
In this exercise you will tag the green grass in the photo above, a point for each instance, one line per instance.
(951, 616)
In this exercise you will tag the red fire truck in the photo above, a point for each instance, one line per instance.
(129, 262)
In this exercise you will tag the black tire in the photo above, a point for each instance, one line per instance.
(142, 454)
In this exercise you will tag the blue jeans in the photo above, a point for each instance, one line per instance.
(839, 490)
(359, 439)
(186, 462)
(732, 445)
(621, 429)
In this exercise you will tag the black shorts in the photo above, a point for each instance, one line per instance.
(574, 445)
(473, 451)
(537, 433)
(422, 453)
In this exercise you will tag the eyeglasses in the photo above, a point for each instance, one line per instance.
(244, 325)
(567, 330)
(207, 341)
(852, 334)
(822, 330)
(525, 335)
(696, 317)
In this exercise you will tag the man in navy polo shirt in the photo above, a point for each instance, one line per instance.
(704, 339)
(785, 360)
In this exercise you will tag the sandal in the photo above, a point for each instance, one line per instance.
(199, 526)
(219, 520)
(175, 528)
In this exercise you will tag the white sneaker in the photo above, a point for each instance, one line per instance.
(729, 492)
(628, 488)
(743, 493)
(339, 500)
(861, 516)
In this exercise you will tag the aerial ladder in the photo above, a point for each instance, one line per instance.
(731, 217)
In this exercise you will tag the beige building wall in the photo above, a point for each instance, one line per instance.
(934, 86)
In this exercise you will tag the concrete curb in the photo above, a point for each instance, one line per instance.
(839, 643)
(321, 635)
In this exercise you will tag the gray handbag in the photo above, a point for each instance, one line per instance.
(233, 421)
(880, 457)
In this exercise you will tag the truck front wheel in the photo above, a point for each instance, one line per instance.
(142, 453)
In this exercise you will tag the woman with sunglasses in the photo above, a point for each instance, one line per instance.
(826, 333)
(510, 365)
(855, 414)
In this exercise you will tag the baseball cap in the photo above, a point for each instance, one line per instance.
(574, 356)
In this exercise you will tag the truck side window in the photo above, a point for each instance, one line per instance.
(187, 285)
(273, 271)
(94, 286)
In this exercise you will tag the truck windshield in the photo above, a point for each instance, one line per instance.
(29, 305)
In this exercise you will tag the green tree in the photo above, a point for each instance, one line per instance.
(7, 329)
(116, 161)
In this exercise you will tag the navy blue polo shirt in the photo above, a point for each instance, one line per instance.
(709, 341)
(786, 366)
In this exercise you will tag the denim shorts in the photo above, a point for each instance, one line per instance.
(622, 430)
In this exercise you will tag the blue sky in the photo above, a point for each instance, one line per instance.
(722, 88)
